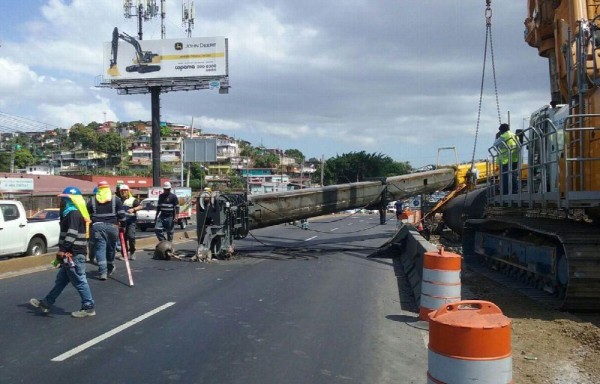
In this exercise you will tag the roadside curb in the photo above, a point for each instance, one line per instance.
(28, 264)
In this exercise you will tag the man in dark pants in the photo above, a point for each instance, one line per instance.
(131, 205)
(72, 248)
(508, 158)
(166, 212)
(107, 215)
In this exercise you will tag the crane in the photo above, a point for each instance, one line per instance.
(545, 231)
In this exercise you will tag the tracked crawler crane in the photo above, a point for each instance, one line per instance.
(547, 233)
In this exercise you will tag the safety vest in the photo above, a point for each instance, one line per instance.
(127, 204)
(511, 141)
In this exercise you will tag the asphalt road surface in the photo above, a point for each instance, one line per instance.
(292, 306)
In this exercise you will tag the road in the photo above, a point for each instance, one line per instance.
(292, 306)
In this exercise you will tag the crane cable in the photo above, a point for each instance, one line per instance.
(488, 37)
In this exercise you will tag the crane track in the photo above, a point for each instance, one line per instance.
(576, 257)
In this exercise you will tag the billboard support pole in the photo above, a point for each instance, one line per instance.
(155, 96)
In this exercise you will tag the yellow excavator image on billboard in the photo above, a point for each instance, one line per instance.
(144, 61)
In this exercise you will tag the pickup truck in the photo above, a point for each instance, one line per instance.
(22, 236)
(146, 217)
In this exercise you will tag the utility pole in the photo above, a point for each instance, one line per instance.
(163, 14)
(144, 10)
(187, 16)
(322, 168)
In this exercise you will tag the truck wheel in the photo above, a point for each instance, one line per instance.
(36, 247)
(182, 223)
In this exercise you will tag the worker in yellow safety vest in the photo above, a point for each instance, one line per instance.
(508, 157)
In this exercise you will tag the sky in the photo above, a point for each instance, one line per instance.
(400, 78)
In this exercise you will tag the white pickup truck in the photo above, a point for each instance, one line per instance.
(146, 217)
(20, 236)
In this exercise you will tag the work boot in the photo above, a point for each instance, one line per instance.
(132, 256)
(103, 276)
(111, 269)
(84, 313)
(40, 304)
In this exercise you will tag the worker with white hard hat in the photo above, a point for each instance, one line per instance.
(166, 213)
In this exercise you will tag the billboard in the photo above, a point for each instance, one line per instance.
(126, 58)
(199, 150)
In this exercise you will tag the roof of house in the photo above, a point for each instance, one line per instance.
(45, 185)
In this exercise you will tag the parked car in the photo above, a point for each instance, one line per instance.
(22, 236)
(48, 213)
(391, 207)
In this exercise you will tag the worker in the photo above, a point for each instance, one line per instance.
(508, 157)
(70, 258)
(304, 224)
(107, 216)
(130, 205)
(166, 213)
(90, 255)
(398, 207)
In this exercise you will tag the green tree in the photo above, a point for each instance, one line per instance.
(266, 160)
(84, 135)
(23, 158)
(359, 166)
(5, 161)
(295, 154)
(113, 145)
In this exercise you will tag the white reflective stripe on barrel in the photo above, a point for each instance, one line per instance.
(434, 303)
(458, 371)
(440, 290)
(439, 276)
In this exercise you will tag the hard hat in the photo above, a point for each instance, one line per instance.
(124, 187)
(103, 184)
(207, 189)
(167, 185)
(70, 191)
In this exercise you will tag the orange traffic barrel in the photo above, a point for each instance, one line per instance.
(469, 342)
(441, 281)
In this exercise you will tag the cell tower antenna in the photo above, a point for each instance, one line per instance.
(144, 10)
(163, 15)
(187, 16)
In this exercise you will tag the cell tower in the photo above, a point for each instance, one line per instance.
(144, 10)
(187, 16)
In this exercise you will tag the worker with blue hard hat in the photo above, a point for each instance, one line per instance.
(70, 258)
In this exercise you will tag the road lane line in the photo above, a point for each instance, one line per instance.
(334, 229)
(110, 333)
(310, 238)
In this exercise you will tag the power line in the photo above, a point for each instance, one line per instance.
(22, 124)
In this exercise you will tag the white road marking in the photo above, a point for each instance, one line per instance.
(110, 333)
(310, 238)
(334, 229)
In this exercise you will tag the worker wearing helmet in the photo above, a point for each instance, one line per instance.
(166, 213)
(131, 205)
(72, 247)
(507, 144)
(107, 216)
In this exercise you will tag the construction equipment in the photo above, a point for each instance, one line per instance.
(546, 233)
(222, 218)
(144, 61)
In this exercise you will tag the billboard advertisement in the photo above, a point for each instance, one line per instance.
(126, 58)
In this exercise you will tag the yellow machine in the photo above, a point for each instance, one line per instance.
(546, 232)
(144, 61)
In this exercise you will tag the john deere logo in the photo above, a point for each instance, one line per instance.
(178, 46)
